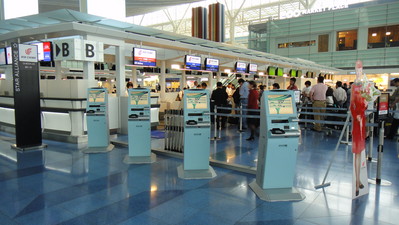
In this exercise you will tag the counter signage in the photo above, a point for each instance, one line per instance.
(383, 104)
(144, 57)
(280, 104)
(241, 67)
(26, 95)
(3, 56)
(43, 51)
(212, 64)
(193, 62)
(8, 56)
(252, 68)
(77, 49)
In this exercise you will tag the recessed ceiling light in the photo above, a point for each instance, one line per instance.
(374, 34)
(388, 33)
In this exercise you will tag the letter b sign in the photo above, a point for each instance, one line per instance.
(89, 49)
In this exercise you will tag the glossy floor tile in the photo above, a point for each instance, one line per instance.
(61, 185)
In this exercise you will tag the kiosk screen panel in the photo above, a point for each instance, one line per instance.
(138, 97)
(197, 101)
(144, 57)
(97, 96)
(280, 104)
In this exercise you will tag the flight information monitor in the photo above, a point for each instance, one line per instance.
(139, 97)
(280, 104)
(252, 68)
(212, 64)
(144, 57)
(240, 67)
(97, 96)
(197, 101)
(192, 62)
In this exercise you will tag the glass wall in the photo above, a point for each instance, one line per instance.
(347, 40)
(382, 37)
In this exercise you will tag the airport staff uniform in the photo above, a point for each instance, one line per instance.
(318, 96)
(340, 95)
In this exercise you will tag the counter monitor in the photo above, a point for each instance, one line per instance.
(212, 64)
(280, 104)
(197, 101)
(240, 67)
(144, 57)
(192, 62)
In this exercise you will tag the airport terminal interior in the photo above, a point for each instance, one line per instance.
(199, 112)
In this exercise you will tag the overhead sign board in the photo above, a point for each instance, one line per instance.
(77, 49)
(144, 57)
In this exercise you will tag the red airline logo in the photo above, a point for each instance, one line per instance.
(28, 51)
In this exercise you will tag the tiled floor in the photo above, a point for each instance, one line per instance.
(62, 185)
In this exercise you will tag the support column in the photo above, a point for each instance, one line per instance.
(362, 34)
(134, 76)
(211, 81)
(88, 71)
(218, 76)
(162, 80)
(183, 81)
(57, 65)
(120, 70)
(83, 6)
(2, 10)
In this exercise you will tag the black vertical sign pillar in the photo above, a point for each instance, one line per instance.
(25, 70)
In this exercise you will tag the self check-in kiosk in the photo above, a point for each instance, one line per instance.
(139, 127)
(278, 146)
(197, 131)
(97, 121)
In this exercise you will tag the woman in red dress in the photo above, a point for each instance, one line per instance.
(358, 107)
(253, 103)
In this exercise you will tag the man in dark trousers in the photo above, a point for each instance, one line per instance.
(219, 96)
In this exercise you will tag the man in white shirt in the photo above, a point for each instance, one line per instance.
(244, 92)
(340, 94)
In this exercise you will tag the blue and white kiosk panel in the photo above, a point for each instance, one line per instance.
(97, 117)
(139, 122)
(278, 143)
(196, 129)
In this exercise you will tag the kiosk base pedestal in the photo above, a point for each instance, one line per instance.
(140, 159)
(14, 146)
(109, 148)
(195, 174)
(276, 194)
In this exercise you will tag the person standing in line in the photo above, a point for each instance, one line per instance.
(219, 96)
(244, 92)
(394, 100)
(276, 86)
(306, 92)
(292, 85)
(253, 103)
(318, 97)
(340, 94)
(229, 90)
(129, 85)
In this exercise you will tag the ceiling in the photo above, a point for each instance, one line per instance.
(133, 7)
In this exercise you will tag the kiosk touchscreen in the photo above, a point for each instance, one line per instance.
(278, 146)
(139, 127)
(197, 131)
(97, 121)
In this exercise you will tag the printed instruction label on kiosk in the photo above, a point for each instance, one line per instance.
(197, 131)
(278, 146)
(97, 121)
(139, 127)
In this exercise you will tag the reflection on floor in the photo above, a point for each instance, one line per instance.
(62, 185)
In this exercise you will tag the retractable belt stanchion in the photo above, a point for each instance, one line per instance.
(371, 139)
(215, 135)
(139, 127)
(97, 121)
(278, 147)
(196, 138)
(382, 115)
(240, 130)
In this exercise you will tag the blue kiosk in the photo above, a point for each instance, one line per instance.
(197, 132)
(278, 146)
(97, 121)
(139, 127)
